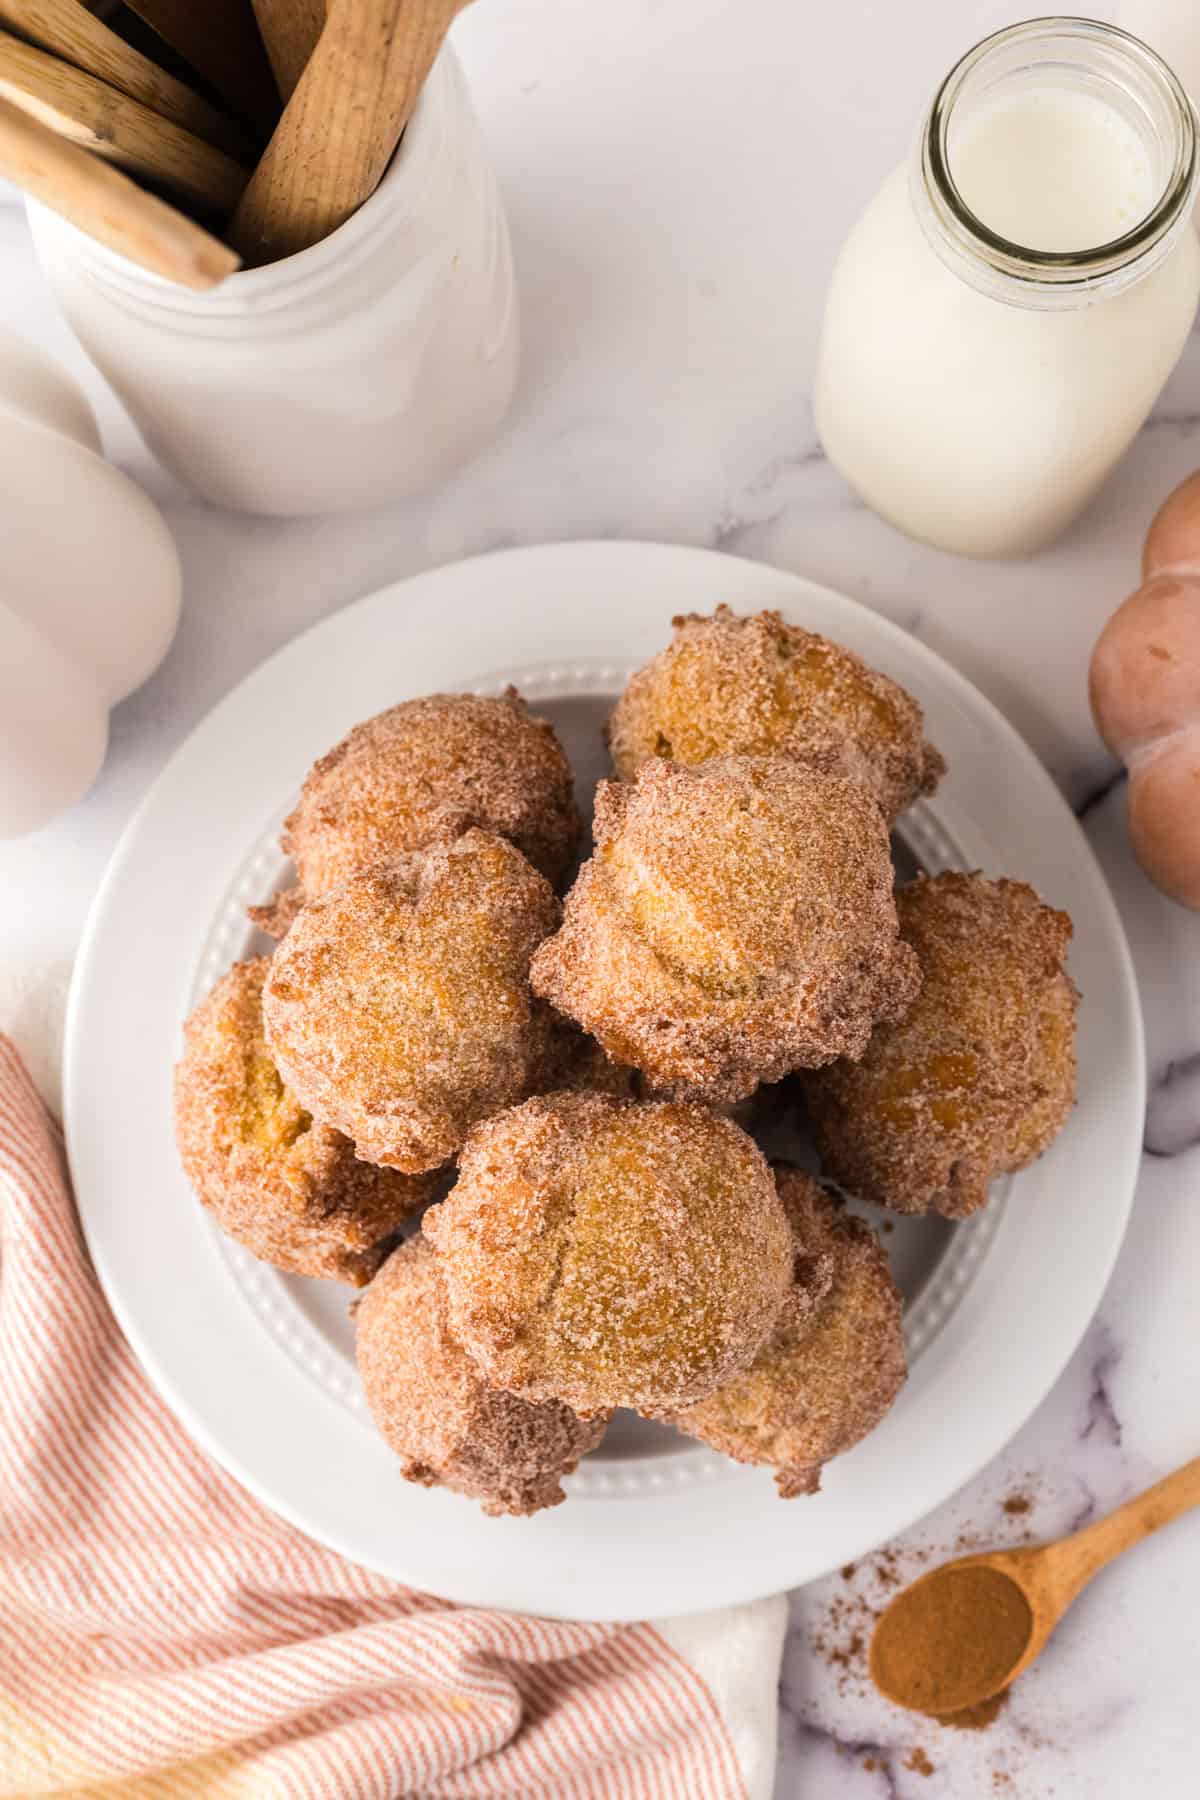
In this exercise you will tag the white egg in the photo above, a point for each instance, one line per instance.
(91, 593)
(53, 727)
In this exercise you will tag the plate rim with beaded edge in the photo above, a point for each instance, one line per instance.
(663, 1535)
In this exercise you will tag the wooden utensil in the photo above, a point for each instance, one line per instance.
(1047, 1579)
(117, 128)
(67, 30)
(104, 203)
(342, 124)
(290, 29)
(220, 41)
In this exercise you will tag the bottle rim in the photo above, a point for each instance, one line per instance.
(986, 257)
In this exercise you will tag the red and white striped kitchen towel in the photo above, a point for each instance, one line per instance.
(162, 1634)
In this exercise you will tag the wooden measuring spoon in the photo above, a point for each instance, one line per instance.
(219, 40)
(117, 128)
(342, 124)
(1014, 1603)
(67, 30)
(290, 29)
(104, 203)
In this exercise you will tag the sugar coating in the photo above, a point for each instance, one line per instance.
(979, 1078)
(437, 1413)
(611, 1252)
(835, 1361)
(398, 1006)
(422, 773)
(755, 686)
(735, 923)
(279, 1181)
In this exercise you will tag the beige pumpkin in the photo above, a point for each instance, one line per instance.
(1145, 693)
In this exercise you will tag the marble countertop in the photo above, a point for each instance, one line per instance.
(679, 174)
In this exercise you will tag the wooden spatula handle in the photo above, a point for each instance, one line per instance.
(67, 30)
(220, 40)
(117, 128)
(290, 29)
(341, 126)
(104, 203)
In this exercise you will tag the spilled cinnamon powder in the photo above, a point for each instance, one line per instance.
(976, 1718)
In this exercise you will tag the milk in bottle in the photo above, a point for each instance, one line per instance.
(1005, 312)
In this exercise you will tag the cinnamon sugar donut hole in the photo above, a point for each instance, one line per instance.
(398, 1006)
(979, 1078)
(422, 773)
(287, 1187)
(753, 685)
(835, 1361)
(736, 922)
(611, 1252)
(430, 1402)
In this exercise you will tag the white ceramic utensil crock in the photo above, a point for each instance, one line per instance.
(364, 369)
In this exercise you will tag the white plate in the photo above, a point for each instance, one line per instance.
(259, 1366)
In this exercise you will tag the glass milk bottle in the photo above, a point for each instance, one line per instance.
(1005, 312)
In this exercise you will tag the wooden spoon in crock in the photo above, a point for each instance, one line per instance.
(107, 205)
(342, 124)
(68, 30)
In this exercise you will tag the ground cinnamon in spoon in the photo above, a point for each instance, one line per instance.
(951, 1639)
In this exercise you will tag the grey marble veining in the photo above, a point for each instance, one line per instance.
(679, 177)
